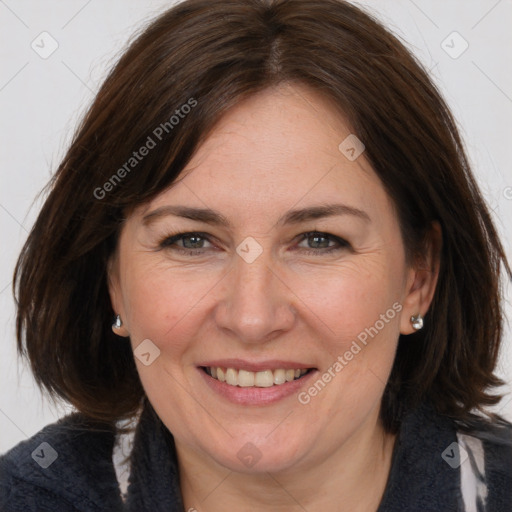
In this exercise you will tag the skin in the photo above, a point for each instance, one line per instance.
(274, 152)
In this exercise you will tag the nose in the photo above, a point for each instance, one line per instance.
(256, 305)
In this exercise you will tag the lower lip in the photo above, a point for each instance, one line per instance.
(254, 395)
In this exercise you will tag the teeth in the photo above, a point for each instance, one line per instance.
(231, 377)
(264, 379)
(279, 376)
(245, 379)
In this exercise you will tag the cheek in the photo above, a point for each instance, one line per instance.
(164, 307)
(357, 314)
(163, 303)
(351, 297)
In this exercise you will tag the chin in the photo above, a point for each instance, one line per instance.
(244, 455)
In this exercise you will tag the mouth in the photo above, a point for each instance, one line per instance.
(261, 379)
(255, 383)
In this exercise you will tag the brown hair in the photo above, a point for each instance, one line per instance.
(211, 55)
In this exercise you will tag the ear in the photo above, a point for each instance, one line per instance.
(422, 279)
(114, 290)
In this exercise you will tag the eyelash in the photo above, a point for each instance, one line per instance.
(169, 241)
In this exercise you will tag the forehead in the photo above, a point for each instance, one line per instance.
(275, 150)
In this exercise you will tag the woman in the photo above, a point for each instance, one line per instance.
(265, 246)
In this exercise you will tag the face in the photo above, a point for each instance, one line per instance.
(277, 263)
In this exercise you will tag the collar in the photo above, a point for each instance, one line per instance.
(154, 478)
(419, 480)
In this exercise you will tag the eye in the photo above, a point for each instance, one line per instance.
(322, 243)
(191, 243)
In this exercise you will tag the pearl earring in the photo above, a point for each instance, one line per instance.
(417, 321)
(117, 323)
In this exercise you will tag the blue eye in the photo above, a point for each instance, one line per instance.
(193, 243)
(320, 243)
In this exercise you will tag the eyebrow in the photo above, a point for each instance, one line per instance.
(297, 216)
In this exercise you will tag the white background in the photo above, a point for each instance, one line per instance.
(42, 99)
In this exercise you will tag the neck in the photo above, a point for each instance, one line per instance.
(352, 478)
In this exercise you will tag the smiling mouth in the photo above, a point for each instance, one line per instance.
(262, 379)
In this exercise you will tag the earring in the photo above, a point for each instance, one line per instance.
(117, 323)
(417, 321)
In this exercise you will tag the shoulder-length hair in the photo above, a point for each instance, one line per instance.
(166, 93)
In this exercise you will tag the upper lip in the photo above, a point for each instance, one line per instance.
(255, 366)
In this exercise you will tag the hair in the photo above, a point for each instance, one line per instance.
(211, 56)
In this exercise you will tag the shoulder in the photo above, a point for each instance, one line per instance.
(67, 466)
(486, 464)
(439, 464)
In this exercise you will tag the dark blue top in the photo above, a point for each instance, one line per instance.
(68, 466)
